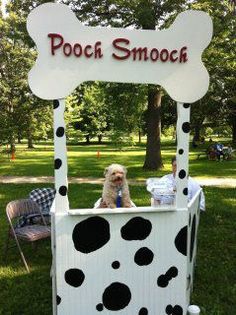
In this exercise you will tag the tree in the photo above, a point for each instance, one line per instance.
(145, 14)
(126, 103)
(93, 117)
(218, 105)
(21, 112)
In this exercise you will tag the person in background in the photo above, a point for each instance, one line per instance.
(193, 186)
(228, 152)
(219, 150)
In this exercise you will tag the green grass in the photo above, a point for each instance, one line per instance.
(83, 161)
(214, 285)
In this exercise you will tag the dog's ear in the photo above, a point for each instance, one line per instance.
(105, 171)
(124, 169)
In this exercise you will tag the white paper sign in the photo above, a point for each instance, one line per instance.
(70, 53)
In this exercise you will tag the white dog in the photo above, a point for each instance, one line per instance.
(115, 188)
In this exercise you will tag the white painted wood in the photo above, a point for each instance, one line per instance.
(193, 223)
(60, 156)
(56, 75)
(183, 125)
(142, 280)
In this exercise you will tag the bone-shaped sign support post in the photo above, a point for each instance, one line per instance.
(70, 53)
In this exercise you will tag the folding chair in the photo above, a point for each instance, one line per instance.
(29, 232)
(44, 198)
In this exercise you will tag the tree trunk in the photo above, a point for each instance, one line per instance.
(153, 159)
(19, 138)
(87, 139)
(12, 146)
(99, 139)
(30, 142)
(139, 136)
(197, 130)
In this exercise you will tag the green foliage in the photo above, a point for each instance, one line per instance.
(219, 104)
(120, 139)
(21, 114)
(94, 118)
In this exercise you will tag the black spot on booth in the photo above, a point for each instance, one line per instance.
(74, 277)
(136, 229)
(143, 311)
(163, 280)
(56, 104)
(115, 265)
(182, 174)
(116, 296)
(91, 234)
(181, 241)
(176, 310)
(99, 307)
(186, 127)
(143, 256)
(57, 163)
(60, 132)
(58, 299)
(63, 190)
(192, 241)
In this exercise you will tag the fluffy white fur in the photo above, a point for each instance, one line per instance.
(115, 179)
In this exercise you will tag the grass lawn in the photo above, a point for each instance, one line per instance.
(214, 285)
(83, 161)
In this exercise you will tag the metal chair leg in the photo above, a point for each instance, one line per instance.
(21, 252)
(6, 247)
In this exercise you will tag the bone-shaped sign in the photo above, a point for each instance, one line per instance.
(70, 53)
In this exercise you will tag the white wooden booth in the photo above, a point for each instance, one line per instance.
(136, 261)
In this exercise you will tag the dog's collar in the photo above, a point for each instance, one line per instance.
(119, 197)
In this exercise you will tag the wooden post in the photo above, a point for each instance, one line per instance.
(183, 131)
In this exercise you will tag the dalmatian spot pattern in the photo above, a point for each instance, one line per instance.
(186, 127)
(185, 191)
(176, 310)
(91, 234)
(143, 256)
(57, 163)
(99, 307)
(143, 311)
(60, 132)
(136, 229)
(182, 174)
(181, 151)
(56, 104)
(116, 296)
(115, 264)
(186, 105)
(163, 280)
(192, 240)
(63, 190)
(181, 241)
(58, 299)
(74, 277)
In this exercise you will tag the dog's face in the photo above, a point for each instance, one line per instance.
(115, 174)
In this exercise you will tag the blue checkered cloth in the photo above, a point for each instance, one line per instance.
(44, 198)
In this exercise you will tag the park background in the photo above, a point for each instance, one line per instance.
(124, 123)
